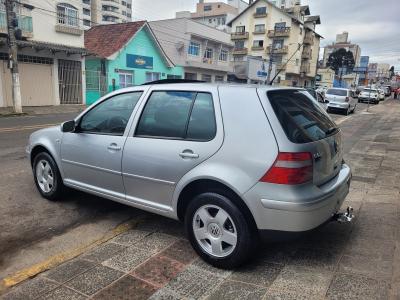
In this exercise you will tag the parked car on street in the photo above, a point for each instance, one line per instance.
(381, 95)
(341, 99)
(387, 90)
(233, 162)
(316, 95)
(369, 95)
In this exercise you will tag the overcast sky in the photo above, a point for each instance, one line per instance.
(373, 24)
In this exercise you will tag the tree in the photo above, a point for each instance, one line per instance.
(391, 72)
(341, 59)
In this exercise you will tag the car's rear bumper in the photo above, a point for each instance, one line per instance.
(303, 209)
(338, 105)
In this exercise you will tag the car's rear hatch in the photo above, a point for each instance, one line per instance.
(301, 125)
(336, 95)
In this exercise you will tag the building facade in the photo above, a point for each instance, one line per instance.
(50, 54)
(342, 41)
(363, 69)
(326, 77)
(286, 41)
(120, 61)
(95, 12)
(215, 14)
(282, 4)
(203, 52)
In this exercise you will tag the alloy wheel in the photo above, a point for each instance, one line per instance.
(214, 231)
(44, 176)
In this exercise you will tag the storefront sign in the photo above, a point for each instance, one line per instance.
(139, 62)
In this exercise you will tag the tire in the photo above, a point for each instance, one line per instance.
(202, 215)
(347, 111)
(354, 109)
(51, 189)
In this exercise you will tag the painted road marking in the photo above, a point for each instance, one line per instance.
(60, 258)
(27, 127)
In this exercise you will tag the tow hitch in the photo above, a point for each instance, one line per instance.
(344, 217)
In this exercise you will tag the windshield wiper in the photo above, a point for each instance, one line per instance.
(331, 130)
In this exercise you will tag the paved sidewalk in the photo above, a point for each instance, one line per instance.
(358, 261)
(44, 110)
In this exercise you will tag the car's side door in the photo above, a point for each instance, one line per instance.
(91, 155)
(176, 131)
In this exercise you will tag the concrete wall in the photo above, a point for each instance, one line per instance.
(44, 24)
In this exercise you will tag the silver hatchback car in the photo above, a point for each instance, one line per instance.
(231, 161)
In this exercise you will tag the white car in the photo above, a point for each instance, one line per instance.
(340, 99)
(369, 95)
(381, 94)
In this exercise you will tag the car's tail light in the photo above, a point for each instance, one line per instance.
(347, 99)
(290, 168)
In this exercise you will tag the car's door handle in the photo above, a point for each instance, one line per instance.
(188, 154)
(114, 147)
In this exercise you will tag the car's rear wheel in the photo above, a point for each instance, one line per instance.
(218, 230)
(47, 177)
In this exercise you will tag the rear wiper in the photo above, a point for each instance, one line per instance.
(331, 130)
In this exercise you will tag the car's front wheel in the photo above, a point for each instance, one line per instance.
(218, 230)
(47, 176)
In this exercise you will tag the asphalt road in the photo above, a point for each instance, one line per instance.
(26, 219)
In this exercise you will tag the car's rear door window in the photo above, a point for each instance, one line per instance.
(178, 115)
(302, 119)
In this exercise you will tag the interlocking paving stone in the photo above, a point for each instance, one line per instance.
(373, 268)
(199, 263)
(166, 294)
(278, 253)
(299, 283)
(63, 293)
(128, 259)
(347, 287)
(94, 280)
(375, 231)
(232, 290)
(69, 270)
(316, 258)
(194, 283)
(374, 249)
(181, 251)
(104, 252)
(155, 242)
(130, 237)
(257, 272)
(158, 270)
(126, 288)
(31, 289)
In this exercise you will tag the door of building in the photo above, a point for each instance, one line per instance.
(70, 81)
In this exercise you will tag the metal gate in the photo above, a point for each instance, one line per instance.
(96, 81)
(70, 81)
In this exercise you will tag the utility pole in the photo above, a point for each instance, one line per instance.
(13, 56)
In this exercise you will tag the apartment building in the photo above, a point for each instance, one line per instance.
(95, 12)
(50, 53)
(282, 4)
(342, 41)
(286, 40)
(203, 51)
(215, 14)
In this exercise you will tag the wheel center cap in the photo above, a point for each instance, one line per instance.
(214, 230)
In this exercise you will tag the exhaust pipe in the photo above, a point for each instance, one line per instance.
(344, 217)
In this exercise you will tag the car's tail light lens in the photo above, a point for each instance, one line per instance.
(290, 168)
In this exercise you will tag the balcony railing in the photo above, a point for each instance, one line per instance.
(259, 32)
(280, 67)
(279, 32)
(239, 51)
(307, 54)
(305, 68)
(260, 15)
(282, 50)
(239, 35)
(308, 40)
(24, 23)
(257, 48)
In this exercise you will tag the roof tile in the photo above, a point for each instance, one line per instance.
(105, 40)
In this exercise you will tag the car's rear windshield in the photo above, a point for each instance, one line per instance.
(337, 92)
(370, 90)
(302, 119)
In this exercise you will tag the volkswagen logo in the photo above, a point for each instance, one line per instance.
(214, 230)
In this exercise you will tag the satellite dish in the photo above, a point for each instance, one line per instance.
(180, 46)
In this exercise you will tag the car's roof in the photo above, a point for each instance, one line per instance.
(203, 85)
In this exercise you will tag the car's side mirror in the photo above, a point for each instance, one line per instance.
(68, 126)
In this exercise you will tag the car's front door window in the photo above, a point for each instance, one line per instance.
(111, 116)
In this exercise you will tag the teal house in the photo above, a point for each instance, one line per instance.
(123, 55)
